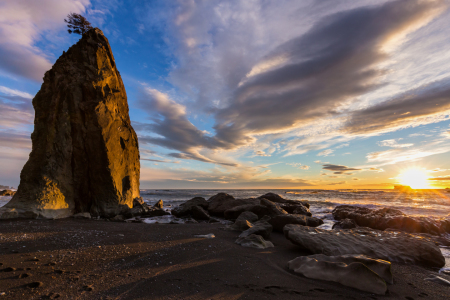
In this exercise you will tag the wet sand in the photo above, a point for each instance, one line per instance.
(90, 259)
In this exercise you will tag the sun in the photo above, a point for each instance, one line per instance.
(415, 178)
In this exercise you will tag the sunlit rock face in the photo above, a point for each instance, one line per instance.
(85, 155)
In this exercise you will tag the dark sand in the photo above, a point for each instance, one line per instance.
(89, 259)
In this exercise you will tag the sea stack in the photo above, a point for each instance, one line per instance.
(85, 155)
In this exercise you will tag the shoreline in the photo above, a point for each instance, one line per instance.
(92, 259)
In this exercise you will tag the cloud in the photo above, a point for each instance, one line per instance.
(299, 166)
(342, 146)
(325, 152)
(15, 140)
(398, 155)
(393, 143)
(425, 105)
(440, 178)
(276, 81)
(337, 183)
(174, 130)
(22, 25)
(338, 169)
(16, 109)
(437, 170)
(376, 169)
(261, 153)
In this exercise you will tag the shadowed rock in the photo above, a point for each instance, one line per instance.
(278, 222)
(185, 209)
(218, 204)
(391, 246)
(262, 228)
(243, 222)
(254, 241)
(85, 155)
(355, 275)
(379, 266)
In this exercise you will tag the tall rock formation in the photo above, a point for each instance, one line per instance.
(85, 155)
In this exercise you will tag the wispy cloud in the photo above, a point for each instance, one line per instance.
(393, 143)
(339, 169)
(327, 152)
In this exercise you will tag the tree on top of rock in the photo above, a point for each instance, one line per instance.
(77, 24)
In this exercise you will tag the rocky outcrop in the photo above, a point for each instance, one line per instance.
(354, 274)
(85, 155)
(391, 246)
(185, 209)
(385, 218)
(278, 222)
(218, 204)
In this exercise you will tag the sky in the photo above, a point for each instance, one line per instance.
(289, 94)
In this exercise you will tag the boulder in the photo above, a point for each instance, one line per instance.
(159, 204)
(198, 213)
(278, 222)
(85, 155)
(262, 228)
(273, 198)
(384, 218)
(254, 241)
(381, 267)
(259, 210)
(345, 224)
(298, 209)
(185, 208)
(278, 199)
(243, 222)
(391, 246)
(355, 274)
(218, 204)
(274, 209)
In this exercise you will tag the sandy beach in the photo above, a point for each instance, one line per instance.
(90, 259)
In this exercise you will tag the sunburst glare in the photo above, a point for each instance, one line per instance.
(415, 178)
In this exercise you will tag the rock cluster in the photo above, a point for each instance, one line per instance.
(389, 218)
(281, 211)
(7, 193)
(85, 155)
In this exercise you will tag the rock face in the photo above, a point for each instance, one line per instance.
(85, 155)
(356, 274)
(391, 246)
(385, 218)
